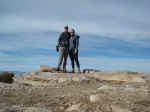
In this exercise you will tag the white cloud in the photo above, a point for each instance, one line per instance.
(22, 41)
(125, 20)
(27, 25)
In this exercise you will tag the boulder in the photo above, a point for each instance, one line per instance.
(6, 77)
(44, 68)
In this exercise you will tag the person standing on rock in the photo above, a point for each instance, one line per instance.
(63, 47)
(73, 50)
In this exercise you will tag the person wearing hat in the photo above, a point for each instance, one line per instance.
(63, 47)
(73, 50)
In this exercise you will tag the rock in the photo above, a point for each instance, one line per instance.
(81, 78)
(72, 92)
(6, 77)
(33, 73)
(61, 80)
(23, 109)
(110, 76)
(44, 68)
(34, 109)
(116, 108)
(8, 109)
(74, 108)
(105, 87)
(94, 98)
(90, 70)
(75, 78)
(47, 77)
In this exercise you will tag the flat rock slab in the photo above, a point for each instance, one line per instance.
(116, 108)
(114, 76)
(44, 78)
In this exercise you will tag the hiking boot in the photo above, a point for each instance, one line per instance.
(72, 71)
(58, 69)
(79, 70)
(64, 70)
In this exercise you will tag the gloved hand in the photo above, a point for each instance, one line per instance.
(57, 48)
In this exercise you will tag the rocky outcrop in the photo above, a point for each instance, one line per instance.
(51, 91)
(118, 76)
(47, 78)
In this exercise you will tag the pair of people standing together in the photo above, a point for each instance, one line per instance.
(68, 43)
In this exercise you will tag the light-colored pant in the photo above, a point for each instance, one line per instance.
(63, 55)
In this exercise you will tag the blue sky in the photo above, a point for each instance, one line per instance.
(115, 34)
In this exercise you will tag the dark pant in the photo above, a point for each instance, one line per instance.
(74, 57)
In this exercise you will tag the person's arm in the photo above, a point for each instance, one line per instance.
(58, 42)
(77, 44)
(69, 40)
(59, 39)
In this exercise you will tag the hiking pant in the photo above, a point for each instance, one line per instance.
(74, 57)
(63, 54)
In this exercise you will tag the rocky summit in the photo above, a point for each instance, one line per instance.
(47, 90)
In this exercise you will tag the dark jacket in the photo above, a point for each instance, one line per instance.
(64, 36)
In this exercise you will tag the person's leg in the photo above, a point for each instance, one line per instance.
(65, 58)
(71, 55)
(77, 61)
(60, 59)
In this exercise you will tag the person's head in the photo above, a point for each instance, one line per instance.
(66, 28)
(72, 32)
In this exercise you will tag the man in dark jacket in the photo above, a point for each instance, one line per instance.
(73, 50)
(63, 47)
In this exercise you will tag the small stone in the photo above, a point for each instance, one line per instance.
(94, 98)
(61, 80)
(74, 107)
(116, 108)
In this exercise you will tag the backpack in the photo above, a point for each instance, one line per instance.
(63, 43)
(64, 40)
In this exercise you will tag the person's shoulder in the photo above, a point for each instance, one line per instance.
(62, 32)
(66, 33)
